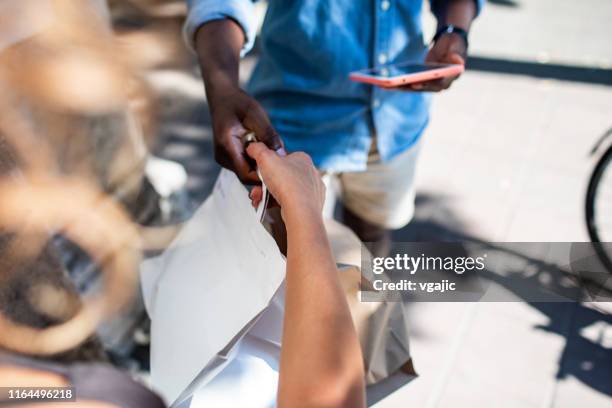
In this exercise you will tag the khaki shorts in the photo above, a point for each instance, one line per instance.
(383, 194)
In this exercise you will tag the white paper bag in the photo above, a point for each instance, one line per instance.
(248, 376)
(207, 290)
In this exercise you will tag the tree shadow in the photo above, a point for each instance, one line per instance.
(585, 356)
(561, 72)
(505, 3)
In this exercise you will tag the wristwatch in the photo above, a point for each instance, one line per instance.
(451, 29)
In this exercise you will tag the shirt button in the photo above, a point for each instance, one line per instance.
(384, 5)
(382, 58)
(376, 103)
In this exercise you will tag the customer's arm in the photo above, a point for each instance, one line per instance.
(321, 363)
(220, 32)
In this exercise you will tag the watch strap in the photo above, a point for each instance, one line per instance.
(451, 29)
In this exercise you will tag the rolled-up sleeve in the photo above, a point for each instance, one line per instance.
(479, 5)
(203, 11)
(438, 6)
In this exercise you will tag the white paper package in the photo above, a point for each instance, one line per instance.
(208, 288)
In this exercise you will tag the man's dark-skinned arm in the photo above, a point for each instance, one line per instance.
(218, 44)
(450, 48)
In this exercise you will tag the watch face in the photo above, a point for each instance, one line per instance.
(451, 29)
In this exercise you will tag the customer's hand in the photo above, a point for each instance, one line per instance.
(449, 49)
(292, 180)
(235, 113)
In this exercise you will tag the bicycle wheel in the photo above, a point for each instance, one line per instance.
(599, 209)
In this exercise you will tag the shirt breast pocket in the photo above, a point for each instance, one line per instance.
(319, 38)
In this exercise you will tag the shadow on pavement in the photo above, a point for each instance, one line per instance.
(586, 356)
(505, 3)
(185, 136)
(589, 75)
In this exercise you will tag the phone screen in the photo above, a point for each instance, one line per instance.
(401, 69)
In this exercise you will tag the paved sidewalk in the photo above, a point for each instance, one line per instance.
(506, 159)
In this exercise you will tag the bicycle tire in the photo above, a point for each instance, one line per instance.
(604, 161)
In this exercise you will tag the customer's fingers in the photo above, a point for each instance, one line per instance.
(261, 153)
(257, 120)
(256, 195)
(234, 150)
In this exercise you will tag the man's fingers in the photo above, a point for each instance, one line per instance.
(454, 58)
(435, 85)
(257, 120)
(238, 162)
(428, 86)
(444, 51)
(433, 55)
(271, 139)
(229, 149)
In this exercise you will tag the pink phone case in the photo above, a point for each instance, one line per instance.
(401, 80)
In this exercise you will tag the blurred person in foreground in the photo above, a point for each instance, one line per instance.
(320, 362)
(364, 136)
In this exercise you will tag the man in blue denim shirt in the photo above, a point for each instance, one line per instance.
(364, 136)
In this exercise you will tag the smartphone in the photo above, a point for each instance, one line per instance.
(405, 73)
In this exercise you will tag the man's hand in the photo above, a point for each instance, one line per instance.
(449, 49)
(292, 180)
(235, 113)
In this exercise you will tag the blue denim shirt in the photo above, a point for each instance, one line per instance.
(308, 49)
